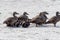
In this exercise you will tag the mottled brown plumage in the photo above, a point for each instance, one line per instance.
(54, 19)
(39, 19)
(11, 20)
(24, 17)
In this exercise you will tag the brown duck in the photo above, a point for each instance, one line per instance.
(24, 17)
(54, 19)
(39, 19)
(11, 20)
(24, 20)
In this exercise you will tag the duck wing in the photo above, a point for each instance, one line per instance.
(52, 20)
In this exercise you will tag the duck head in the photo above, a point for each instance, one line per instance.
(14, 13)
(43, 13)
(25, 13)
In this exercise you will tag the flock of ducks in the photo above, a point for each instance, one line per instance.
(24, 20)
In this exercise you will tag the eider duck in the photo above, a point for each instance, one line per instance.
(24, 20)
(39, 19)
(54, 19)
(24, 17)
(11, 20)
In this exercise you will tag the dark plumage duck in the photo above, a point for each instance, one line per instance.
(40, 19)
(24, 20)
(24, 17)
(11, 20)
(54, 19)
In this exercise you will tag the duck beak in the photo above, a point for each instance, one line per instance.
(17, 13)
(27, 14)
(59, 13)
(46, 13)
